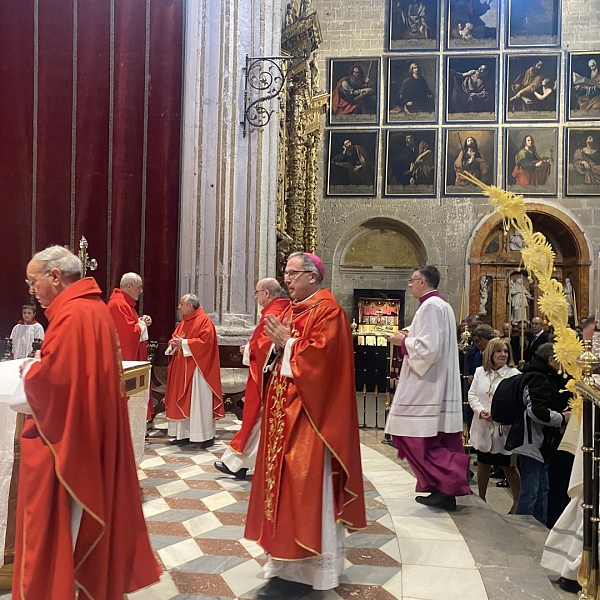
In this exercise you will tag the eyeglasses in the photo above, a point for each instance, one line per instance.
(294, 274)
(415, 279)
(32, 283)
(258, 291)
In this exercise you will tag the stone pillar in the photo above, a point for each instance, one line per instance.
(228, 201)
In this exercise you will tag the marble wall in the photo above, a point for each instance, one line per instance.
(445, 226)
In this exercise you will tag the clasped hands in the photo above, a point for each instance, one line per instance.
(396, 338)
(279, 333)
(176, 343)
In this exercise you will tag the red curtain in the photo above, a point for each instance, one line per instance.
(90, 123)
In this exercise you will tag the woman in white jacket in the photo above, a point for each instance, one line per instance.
(486, 436)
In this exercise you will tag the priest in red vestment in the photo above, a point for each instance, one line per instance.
(307, 486)
(193, 396)
(132, 329)
(240, 457)
(79, 516)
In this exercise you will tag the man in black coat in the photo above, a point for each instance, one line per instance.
(539, 337)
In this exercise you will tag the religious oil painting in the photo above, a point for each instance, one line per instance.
(534, 23)
(354, 88)
(414, 24)
(352, 163)
(583, 167)
(583, 78)
(472, 24)
(532, 82)
(471, 88)
(469, 151)
(410, 162)
(530, 161)
(412, 89)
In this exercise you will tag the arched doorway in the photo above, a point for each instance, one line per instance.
(499, 290)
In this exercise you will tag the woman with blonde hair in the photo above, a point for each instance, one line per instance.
(487, 436)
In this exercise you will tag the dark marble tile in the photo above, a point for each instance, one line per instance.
(222, 547)
(349, 591)
(206, 584)
(166, 528)
(211, 564)
(186, 503)
(370, 556)
(158, 542)
(227, 532)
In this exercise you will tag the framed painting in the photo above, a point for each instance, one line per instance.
(530, 161)
(533, 23)
(410, 162)
(532, 87)
(471, 88)
(414, 24)
(354, 88)
(472, 24)
(583, 77)
(412, 89)
(469, 150)
(582, 175)
(352, 163)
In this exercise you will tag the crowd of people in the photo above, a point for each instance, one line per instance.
(75, 445)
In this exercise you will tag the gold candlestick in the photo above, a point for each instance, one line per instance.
(86, 261)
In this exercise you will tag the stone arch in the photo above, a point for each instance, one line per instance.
(490, 255)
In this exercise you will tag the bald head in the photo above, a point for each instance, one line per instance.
(131, 283)
(266, 290)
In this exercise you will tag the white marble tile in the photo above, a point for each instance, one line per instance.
(173, 487)
(329, 595)
(392, 549)
(219, 500)
(190, 471)
(168, 450)
(141, 475)
(201, 524)
(155, 461)
(408, 507)
(179, 553)
(394, 586)
(244, 577)
(165, 589)
(426, 528)
(401, 490)
(155, 507)
(232, 428)
(204, 459)
(252, 547)
(436, 553)
(433, 583)
(386, 521)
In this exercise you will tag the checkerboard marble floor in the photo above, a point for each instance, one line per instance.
(195, 518)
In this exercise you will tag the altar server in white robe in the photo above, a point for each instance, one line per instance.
(425, 419)
(25, 332)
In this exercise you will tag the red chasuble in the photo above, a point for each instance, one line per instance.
(201, 336)
(76, 450)
(122, 309)
(252, 398)
(302, 416)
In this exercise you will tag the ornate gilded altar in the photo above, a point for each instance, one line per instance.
(300, 133)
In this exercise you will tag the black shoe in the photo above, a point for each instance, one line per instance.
(497, 473)
(182, 442)
(569, 585)
(502, 483)
(281, 589)
(438, 500)
(221, 466)
(207, 443)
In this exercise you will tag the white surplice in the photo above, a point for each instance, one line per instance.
(22, 337)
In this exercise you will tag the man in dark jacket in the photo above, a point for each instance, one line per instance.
(546, 415)
(538, 337)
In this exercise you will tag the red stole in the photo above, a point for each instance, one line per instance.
(302, 416)
(252, 398)
(201, 336)
(77, 448)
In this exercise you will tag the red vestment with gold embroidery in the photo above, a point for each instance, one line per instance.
(302, 417)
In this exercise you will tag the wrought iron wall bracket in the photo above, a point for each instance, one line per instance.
(264, 78)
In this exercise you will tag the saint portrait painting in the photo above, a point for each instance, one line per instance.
(469, 151)
(531, 92)
(530, 161)
(473, 24)
(583, 168)
(354, 88)
(534, 23)
(410, 162)
(471, 88)
(584, 86)
(352, 163)
(412, 87)
(414, 24)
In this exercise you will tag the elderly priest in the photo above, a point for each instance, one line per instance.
(80, 527)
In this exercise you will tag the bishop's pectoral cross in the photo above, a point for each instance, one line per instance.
(86, 261)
